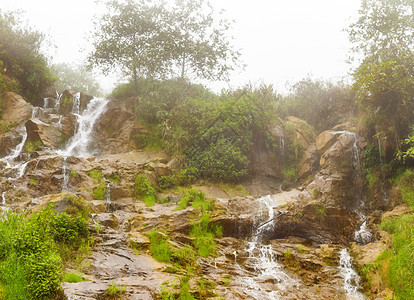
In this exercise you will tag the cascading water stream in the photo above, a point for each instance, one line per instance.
(350, 276)
(80, 144)
(76, 104)
(263, 257)
(57, 104)
(9, 160)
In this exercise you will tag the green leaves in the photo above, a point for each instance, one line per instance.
(146, 39)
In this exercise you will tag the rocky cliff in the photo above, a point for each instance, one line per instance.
(276, 243)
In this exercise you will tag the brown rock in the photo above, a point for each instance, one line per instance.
(16, 110)
(300, 131)
(38, 131)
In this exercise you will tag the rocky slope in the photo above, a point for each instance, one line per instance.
(275, 244)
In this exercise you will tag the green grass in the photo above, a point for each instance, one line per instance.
(401, 267)
(72, 277)
(114, 290)
(194, 196)
(159, 247)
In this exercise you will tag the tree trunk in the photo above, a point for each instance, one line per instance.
(183, 67)
(135, 78)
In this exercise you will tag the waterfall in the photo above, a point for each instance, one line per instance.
(57, 104)
(3, 199)
(350, 276)
(80, 143)
(45, 102)
(362, 235)
(263, 257)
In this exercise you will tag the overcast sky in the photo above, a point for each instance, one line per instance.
(282, 41)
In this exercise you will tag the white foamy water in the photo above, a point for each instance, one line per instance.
(80, 144)
(350, 276)
(263, 257)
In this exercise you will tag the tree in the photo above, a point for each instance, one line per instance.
(147, 39)
(385, 28)
(130, 36)
(21, 57)
(202, 47)
(384, 81)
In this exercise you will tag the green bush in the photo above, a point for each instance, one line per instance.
(31, 263)
(406, 184)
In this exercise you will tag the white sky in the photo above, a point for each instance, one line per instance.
(282, 41)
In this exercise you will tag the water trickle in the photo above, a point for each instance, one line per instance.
(362, 235)
(76, 104)
(80, 144)
(65, 173)
(3, 199)
(45, 102)
(350, 276)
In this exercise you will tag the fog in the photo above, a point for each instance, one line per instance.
(281, 41)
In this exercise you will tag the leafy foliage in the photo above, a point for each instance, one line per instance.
(158, 39)
(31, 264)
(21, 57)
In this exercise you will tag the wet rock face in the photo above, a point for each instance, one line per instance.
(66, 101)
(117, 129)
(338, 181)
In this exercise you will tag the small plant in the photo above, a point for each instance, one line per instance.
(144, 190)
(33, 182)
(159, 247)
(72, 277)
(315, 194)
(73, 174)
(114, 178)
(95, 174)
(115, 291)
(192, 196)
(32, 146)
(100, 191)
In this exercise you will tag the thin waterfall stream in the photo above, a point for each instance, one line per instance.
(264, 258)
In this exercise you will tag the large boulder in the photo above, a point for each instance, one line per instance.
(49, 135)
(300, 132)
(118, 130)
(338, 181)
(16, 109)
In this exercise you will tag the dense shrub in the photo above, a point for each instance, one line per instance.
(31, 263)
(22, 59)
